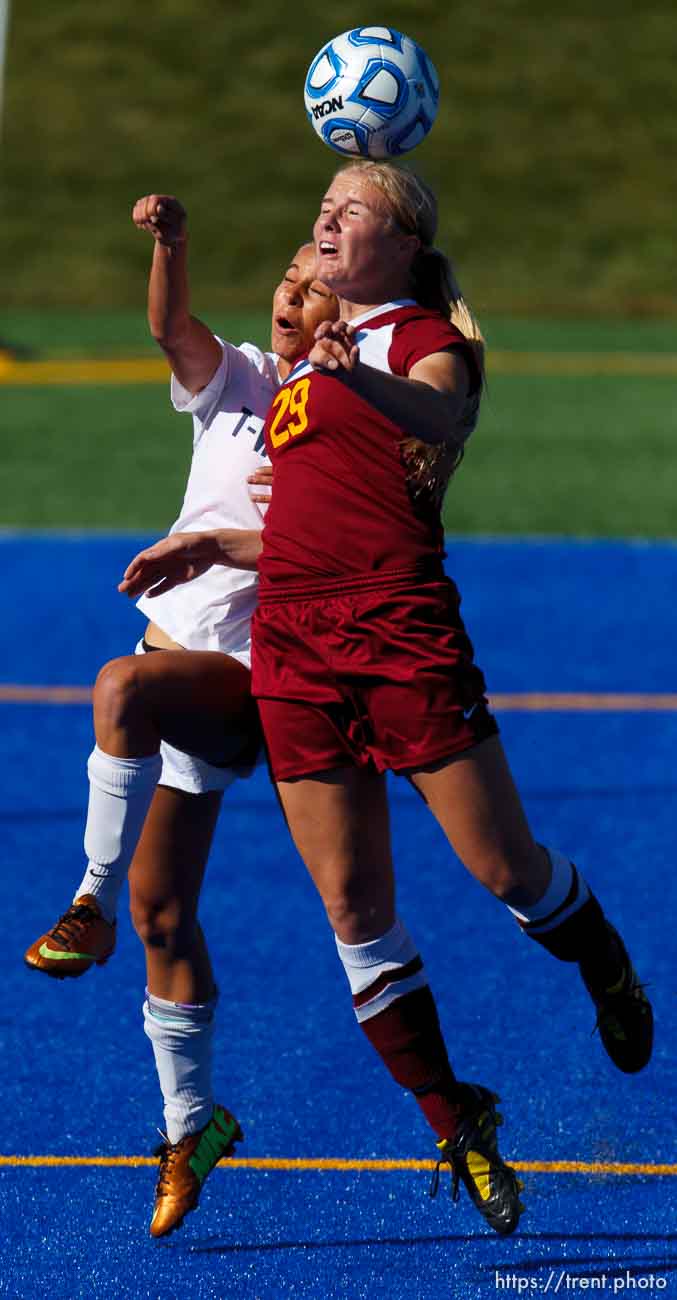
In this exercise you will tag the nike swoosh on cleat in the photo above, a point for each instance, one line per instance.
(57, 954)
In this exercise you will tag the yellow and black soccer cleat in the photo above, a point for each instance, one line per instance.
(184, 1167)
(81, 938)
(624, 1014)
(474, 1160)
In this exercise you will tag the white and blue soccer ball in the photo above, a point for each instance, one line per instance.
(372, 93)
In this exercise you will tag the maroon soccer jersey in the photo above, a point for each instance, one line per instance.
(340, 504)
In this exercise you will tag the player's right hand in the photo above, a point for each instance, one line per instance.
(171, 561)
(163, 217)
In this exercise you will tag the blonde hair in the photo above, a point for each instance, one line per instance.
(412, 208)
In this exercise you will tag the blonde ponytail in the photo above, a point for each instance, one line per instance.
(435, 286)
(413, 209)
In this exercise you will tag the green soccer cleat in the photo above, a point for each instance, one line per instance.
(474, 1160)
(184, 1167)
(624, 1015)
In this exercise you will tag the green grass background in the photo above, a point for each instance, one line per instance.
(552, 154)
(552, 157)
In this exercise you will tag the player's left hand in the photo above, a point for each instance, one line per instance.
(334, 348)
(262, 479)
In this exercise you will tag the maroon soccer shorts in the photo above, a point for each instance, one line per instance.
(367, 673)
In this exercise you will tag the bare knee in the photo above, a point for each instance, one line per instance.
(502, 881)
(165, 923)
(117, 690)
(359, 911)
(518, 878)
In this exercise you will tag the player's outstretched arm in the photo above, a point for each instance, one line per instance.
(183, 556)
(191, 349)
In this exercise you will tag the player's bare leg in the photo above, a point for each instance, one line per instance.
(210, 713)
(164, 883)
(340, 825)
(165, 880)
(475, 800)
(198, 702)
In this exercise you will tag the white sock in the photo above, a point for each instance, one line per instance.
(182, 1043)
(382, 970)
(120, 792)
(566, 893)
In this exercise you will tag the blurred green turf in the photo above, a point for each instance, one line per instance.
(582, 456)
(588, 455)
(94, 457)
(67, 333)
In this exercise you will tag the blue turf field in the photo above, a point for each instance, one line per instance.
(77, 1069)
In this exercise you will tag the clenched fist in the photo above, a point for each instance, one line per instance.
(163, 217)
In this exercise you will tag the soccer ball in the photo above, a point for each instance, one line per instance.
(371, 93)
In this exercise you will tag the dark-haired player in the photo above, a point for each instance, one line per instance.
(174, 729)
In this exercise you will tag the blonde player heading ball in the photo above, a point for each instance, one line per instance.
(362, 664)
(175, 729)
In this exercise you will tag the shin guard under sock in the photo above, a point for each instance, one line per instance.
(396, 1011)
(120, 793)
(182, 1035)
(569, 922)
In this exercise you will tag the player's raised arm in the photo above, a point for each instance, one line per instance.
(191, 349)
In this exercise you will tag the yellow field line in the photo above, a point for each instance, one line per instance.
(581, 363)
(153, 370)
(132, 370)
(525, 702)
(292, 1164)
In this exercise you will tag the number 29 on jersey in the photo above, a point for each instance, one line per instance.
(290, 416)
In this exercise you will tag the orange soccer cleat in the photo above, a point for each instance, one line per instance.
(80, 938)
(184, 1167)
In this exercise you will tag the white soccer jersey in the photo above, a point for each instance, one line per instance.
(213, 612)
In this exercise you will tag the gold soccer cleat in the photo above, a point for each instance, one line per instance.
(184, 1167)
(80, 938)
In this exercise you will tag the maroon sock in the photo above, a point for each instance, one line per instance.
(408, 1038)
(584, 935)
